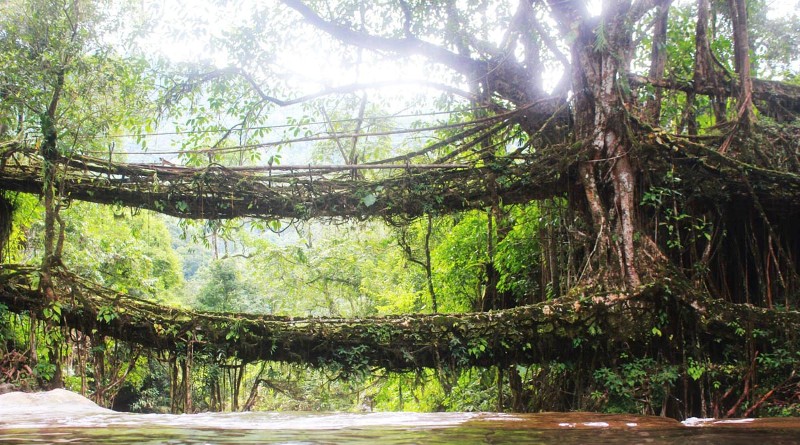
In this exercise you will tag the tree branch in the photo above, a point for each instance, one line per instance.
(770, 91)
(501, 75)
(641, 7)
(566, 12)
(407, 46)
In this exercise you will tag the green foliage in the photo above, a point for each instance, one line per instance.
(774, 43)
(695, 369)
(26, 211)
(519, 253)
(459, 262)
(635, 385)
(225, 289)
(58, 51)
(6, 333)
(680, 51)
(106, 314)
(680, 227)
(45, 370)
(150, 400)
(235, 331)
(298, 388)
(52, 312)
(350, 270)
(680, 42)
(461, 255)
(475, 390)
(463, 390)
(129, 253)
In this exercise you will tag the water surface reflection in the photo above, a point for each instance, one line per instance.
(386, 428)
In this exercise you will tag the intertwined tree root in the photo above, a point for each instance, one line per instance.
(529, 334)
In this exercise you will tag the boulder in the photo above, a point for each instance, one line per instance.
(57, 401)
(7, 388)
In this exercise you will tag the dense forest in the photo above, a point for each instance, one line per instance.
(518, 205)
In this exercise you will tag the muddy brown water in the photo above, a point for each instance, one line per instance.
(385, 428)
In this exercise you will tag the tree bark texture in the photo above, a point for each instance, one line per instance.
(599, 58)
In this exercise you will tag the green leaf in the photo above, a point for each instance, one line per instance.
(369, 200)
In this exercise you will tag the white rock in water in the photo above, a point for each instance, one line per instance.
(58, 401)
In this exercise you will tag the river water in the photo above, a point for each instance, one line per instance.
(60, 417)
(385, 428)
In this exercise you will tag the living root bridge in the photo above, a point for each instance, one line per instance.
(218, 192)
(529, 334)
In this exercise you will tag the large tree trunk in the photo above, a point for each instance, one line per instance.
(741, 40)
(707, 70)
(658, 61)
(608, 177)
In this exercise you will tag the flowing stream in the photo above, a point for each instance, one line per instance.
(62, 418)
